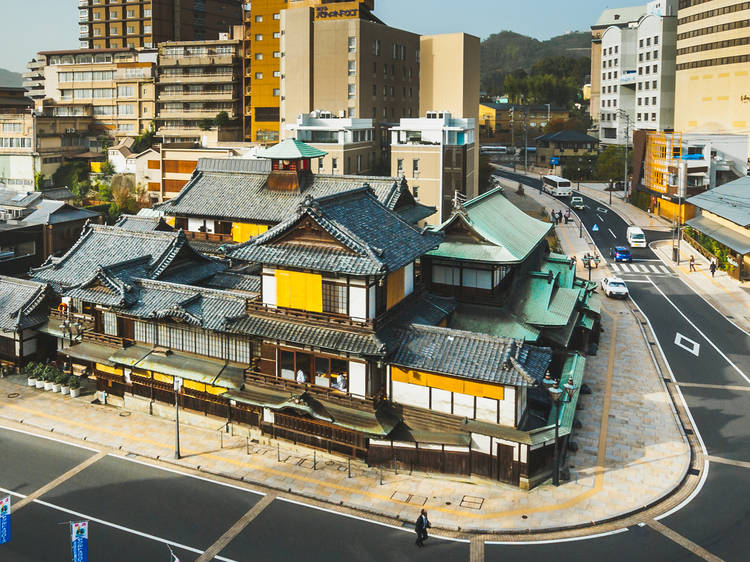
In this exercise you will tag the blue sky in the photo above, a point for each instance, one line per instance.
(28, 26)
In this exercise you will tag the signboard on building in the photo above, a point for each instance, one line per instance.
(348, 11)
(5, 519)
(79, 540)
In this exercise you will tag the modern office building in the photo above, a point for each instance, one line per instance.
(115, 87)
(614, 17)
(713, 80)
(117, 24)
(637, 74)
(349, 143)
(437, 155)
(343, 60)
(198, 80)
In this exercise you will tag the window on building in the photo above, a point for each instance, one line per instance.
(131, 13)
(277, 35)
(400, 166)
(654, 84)
(653, 117)
(415, 167)
(259, 76)
(259, 37)
(277, 74)
(352, 68)
(376, 47)
(277, 16)
(258, 19)
(125, 91)
(334, 164)
(258, 56)
(654, 68)
(648, 41)
(639, 117)
(656, 40)
(653, 100)
(276, 92)
(334, 298)
(110, 323)
(352, 91)
(352, 44)
(640, 43)
(147, 12)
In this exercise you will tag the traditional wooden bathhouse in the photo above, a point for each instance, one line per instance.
(496, 261)
(24, 306)
(232, 200)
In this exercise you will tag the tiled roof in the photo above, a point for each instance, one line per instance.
(372, 239)
(291, 149)
(509, 235)
(470, 355)
(11, 198)
(730, 201)
(106, 246)
(235, 282)
(233, 189)
(22, 304)
(142, 223)
(55, 212)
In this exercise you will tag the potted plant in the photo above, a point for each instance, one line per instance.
(30, 371)
(49, 377)
(75, 387)
(39, 375)
(59, 380)
(65, 384)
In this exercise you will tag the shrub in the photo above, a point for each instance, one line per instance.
(50, 373)
(75, 382)
(30, 369)
(62, 378)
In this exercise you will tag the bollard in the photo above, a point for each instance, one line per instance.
(349, 463)
(221, 439)
(247, 444)
(278, 452)
(315, 460)
(381, 475)
(395, 466)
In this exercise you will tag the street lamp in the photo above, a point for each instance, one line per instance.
(177, 388)
(570, 389)
(579, 179)
(611, 187)
(555, 392)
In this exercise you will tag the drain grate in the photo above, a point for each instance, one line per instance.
(472, 502)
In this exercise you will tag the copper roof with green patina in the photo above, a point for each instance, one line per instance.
(291, 149)
(508, 234)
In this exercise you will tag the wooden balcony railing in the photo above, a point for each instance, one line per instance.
(209, 237)
(320, 318)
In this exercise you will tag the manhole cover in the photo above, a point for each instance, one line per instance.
(13, 395)
(124, 414)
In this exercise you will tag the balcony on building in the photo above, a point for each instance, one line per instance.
(436, 128)
(322, 127)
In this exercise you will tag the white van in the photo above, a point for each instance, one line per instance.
(636, 238)
(557, 186)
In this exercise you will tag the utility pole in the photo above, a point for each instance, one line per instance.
(626, 116)
(512, 129)
(526, 140)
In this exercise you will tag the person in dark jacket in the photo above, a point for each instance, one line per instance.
(421, 527)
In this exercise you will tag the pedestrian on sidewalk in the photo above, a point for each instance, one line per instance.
(553, 216)
(559, 217)
(421, 527)
(692, 263)
(712, 267)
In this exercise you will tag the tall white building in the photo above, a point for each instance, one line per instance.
(638, 74)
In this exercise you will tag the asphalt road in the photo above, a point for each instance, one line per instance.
(702, 347)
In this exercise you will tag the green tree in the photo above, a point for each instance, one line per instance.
(107, 169)
(69, 171)
(206, 124)
(222, 119)
(610, 163)
(145, 140)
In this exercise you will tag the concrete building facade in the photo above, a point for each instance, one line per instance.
(198, 80)
(115, 24)
(712, 78)
(437, 155)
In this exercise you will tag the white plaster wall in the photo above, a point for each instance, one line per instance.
(358, 303)
(508, 407)
(481, 443)
(409, 279)
(441, 400)
(463, 405)
(357, 379)
(487, 409)
(268, 415)
(411, 394)
(269, 290)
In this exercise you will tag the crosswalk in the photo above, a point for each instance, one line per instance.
(640, 268)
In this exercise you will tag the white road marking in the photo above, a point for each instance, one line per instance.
(639, 281)
(568, 539)
(687, 344)
(654, 269)
(48, 438)
(727, 359)
(600, 217)
(612, 233)
(615, 267)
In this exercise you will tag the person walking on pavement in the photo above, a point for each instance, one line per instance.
(712, 267)
(559, 217)
(421, 527)
(692, 263)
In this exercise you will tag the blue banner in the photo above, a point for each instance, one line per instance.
(79, 539)
(5, 519)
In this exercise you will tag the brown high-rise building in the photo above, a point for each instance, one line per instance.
(115, 24)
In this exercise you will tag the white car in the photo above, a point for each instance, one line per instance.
(577, 203)
(614, 287)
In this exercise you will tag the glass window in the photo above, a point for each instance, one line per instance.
(352, 44)
(258, 19)
(259, 37)
(334, 298)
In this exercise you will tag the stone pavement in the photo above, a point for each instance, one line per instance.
(631, 450)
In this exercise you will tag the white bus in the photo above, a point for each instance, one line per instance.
(493, 149)
(557, 186)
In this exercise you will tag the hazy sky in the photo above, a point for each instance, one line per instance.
(28, 26)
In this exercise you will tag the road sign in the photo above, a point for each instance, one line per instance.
(5, 519)
(554, 161)
(177, 384)
(79, 540)
(595, 228)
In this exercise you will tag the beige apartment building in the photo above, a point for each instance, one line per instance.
(713, 71)
(115, 24)
(114, 87)
(198, 80)
(449, 84)
(438, 155)
(341, 59)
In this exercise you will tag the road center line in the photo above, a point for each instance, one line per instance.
(59, 480)
(714, 386)
(612, 233)
(236, 529)
(722, 460)
(683, 541)
(728, 360)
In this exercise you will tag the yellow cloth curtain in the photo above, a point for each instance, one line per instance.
(242, 232)
(452, 384)
(395, 287)
(302, 291)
